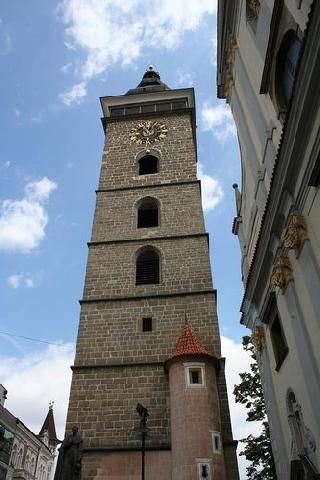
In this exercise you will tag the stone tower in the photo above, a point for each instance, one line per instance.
(148, 272)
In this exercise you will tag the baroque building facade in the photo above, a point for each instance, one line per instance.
(268, 71)
(23, 454)
(148, 367)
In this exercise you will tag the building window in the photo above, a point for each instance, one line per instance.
(14, 455)
(278, 340)
(148, 165)
(148, 213)
(194, 374)
(216, 442)
(147, 324)
(148, 268)
(286, 67)
(204, 468)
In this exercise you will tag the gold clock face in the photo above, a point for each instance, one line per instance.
(148, 132)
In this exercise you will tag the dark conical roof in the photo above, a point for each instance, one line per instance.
(151, 82)
(49, 426)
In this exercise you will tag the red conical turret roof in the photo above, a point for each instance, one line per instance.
(188, 344)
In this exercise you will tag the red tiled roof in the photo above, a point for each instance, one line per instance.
(188, 344)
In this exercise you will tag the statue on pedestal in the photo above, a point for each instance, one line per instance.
(69, 459)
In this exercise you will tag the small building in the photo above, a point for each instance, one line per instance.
(25, 455)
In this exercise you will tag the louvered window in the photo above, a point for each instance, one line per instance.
(148, 213)
(147, 271)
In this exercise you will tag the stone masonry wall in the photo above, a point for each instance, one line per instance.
(180, 212)
(103, 404)
(111, 268)
(111, 332)
(177, 154)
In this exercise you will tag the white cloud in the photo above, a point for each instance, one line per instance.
(74, 95)
(7, 164)
(219, 120)
(65, 68)
(184, 79)
(37, 118)
(29, 282)
(23, 222)
(211, 190)
(36, 379)
(17, 280)
(237, 361)
(5, 43)
(114, 32)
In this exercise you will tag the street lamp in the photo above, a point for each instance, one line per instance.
(143, 412)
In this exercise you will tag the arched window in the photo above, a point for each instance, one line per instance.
(148, 268)
(148, 213)
(19, 459)
(27, 462)
(32, 465)
(14, 455)
(148, 164)
(286, 67)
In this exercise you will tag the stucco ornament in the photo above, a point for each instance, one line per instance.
(296, 233)
(228, 86)
(148, 132)
(232, 51)
(258, 338)
(254, 7)
(281, 273)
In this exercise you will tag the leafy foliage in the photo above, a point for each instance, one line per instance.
(257, 448)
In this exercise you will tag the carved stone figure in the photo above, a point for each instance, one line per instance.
(69, 459)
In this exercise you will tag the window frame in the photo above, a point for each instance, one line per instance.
(216, 435)
(280, 352)
(195, 366)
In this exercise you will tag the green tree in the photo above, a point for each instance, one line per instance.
(257, 448)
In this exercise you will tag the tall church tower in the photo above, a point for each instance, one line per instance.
(148, 330)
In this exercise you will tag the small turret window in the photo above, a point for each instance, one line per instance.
(194, 374)
(148, 165)
(216, 442)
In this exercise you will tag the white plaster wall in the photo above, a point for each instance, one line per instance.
(290, 375)
(259, 128)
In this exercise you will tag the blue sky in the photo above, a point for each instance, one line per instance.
(57, 59)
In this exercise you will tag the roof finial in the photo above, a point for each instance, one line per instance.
(185, 318)
(51, 404)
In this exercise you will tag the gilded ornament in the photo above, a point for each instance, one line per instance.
(232, 50)
(258, 338)
(281, 273)
(254, 7)
(296, 233)
(228, 86)
(148, 132)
